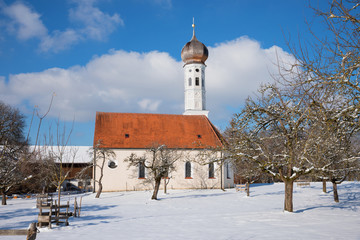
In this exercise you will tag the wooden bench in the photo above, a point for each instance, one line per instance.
(52, 213)
(241, 187)
(303, 184)
(61, 216)
(43, 200)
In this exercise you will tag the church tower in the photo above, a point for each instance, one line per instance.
(194, 55)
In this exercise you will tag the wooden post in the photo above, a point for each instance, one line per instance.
(12, 232)
(31, 232)
(75, 208)
(67, 214)
(80, 205)
(57, 210)
(50, 213)
(40, 214)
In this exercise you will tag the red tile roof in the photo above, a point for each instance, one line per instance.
(138, 130)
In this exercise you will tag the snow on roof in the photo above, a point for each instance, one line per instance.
(72, 154)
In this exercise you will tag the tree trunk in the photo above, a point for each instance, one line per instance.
(3, 201)
(165, 190)
(247, 186)
(100, 178)
(324, 185)
(99, 190)
(156, 188)
(59, 193)
(336, 196)
(288, 204)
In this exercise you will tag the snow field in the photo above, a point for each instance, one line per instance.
(202, 214)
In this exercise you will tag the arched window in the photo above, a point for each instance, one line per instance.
(190, 83)
(187, 170)
(197, 82)
(211, 170)
(141, 170)
(227, 171)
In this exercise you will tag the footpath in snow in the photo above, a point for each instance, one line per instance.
(202, 214)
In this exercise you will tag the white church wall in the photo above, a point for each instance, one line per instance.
(125, 178)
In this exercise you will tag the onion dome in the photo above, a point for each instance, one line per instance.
(194, 51)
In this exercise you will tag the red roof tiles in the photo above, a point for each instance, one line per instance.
(138, 130)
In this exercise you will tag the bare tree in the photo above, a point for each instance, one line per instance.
(159, 160)
(244, 167)
(100, 155)
(271, 131)
(56, 153)
(38, 167)
(41, 118)
(334, 59)
(330, 143)
(333, 62)
(13, 147)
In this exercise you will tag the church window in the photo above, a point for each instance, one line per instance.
(227, 170)
(199, 136)
(189, 70)
(141, 170)
(202, 82)
(190, 82)
(197, 70)
(187, 170)
(197, 81)
(211, 170)
(127, 135)
(112, 164)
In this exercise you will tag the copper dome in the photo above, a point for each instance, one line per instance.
(194, 51)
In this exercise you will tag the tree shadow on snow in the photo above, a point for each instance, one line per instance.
(21, 212)
(8, 215)
(94, 220)
(193, 196)
(349, 196)
(253, 185)
(94, 208)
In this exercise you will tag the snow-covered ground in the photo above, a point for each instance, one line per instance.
(202, 214)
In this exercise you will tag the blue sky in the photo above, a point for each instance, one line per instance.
(124, 56)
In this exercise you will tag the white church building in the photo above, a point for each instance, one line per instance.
(191, 133)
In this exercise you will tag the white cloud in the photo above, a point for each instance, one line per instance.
(91, 23)
(145, 82)
(235, 70)
(96, 24)
(59, 40)
(149, 105)
(25, 23)
(118, 81)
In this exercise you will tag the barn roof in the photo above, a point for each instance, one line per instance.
(141, 130)
(71, 154)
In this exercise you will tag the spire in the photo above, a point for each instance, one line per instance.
(194, 51)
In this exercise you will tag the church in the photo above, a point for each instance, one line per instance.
(190, 133)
